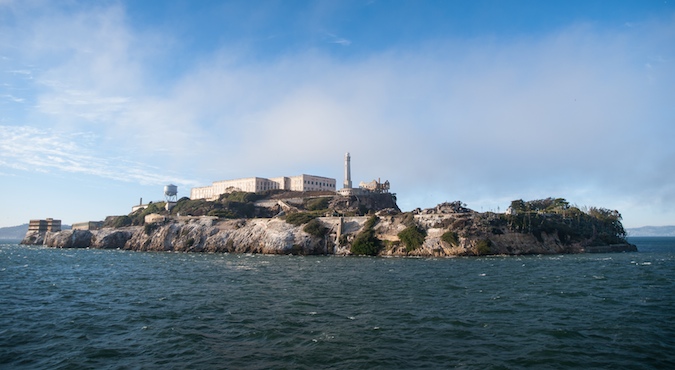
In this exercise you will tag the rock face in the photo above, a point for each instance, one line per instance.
(474, 236)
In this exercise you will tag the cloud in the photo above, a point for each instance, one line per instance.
(338, 40)
(573, 113)
(33, 149)
(12, 98)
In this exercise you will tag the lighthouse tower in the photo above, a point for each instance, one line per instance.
(348, 172)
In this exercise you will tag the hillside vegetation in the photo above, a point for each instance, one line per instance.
(297, 223)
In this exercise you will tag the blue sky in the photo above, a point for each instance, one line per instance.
(102, 103)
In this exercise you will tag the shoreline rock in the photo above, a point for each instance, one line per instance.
(276, 236)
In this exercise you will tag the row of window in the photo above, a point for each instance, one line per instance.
(307, 182)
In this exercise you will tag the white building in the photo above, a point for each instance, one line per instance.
(257, 184)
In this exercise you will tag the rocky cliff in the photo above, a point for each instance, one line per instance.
(444, 231)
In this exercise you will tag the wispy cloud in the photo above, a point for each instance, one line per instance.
(12, 98)
(338, 40)
(33, 149)
(571, 113)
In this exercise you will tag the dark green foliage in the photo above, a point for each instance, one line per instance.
(450, 237)
(371, 222)
(317, 204)
(149, 228)
(366, 243)
(222, 213)
(413, 237)
(138, 218)
(484, 247)
(188, 207)
(240, 209)
(241, 197)
(122, 221)
(299, 218)
(315, 228)
(550, 216)
(232, 205)
(548, 205)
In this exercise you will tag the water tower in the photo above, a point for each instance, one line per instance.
(171, 193)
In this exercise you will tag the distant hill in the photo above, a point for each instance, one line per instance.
(13, 232)
(652, 231)
(18, 232)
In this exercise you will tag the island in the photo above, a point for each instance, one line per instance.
(328, 223)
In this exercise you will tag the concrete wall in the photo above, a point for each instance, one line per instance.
(91, 225)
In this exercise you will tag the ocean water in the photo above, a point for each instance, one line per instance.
(108, 309)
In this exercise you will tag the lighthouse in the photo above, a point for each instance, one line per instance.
(348, 172)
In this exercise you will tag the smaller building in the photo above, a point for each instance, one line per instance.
(376, 186)
(346, 192)
(49, 224)
(154, 218)
(89, 225)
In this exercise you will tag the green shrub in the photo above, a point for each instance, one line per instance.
(450, 237)
(222, 213)
(484, 247)
(413, 237)
(366, 243)
(299, 218)
(315, 228)
(317, 204)
(149, 228)
(122, 221)
(240, 209)
(371, 222)
(240, 196)
(138, 218)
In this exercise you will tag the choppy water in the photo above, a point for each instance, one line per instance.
(64, 309)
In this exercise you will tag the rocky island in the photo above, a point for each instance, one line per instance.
(305, 223)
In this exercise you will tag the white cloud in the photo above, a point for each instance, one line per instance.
(573, 114)
(32, 149)
(334, 39)
(12, 98)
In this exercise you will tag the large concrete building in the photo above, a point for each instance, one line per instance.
(49, 224)
(257, 184)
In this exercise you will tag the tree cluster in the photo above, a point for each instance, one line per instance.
(366, 243)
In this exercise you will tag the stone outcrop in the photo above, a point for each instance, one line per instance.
(69, 239)
(475, 236)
